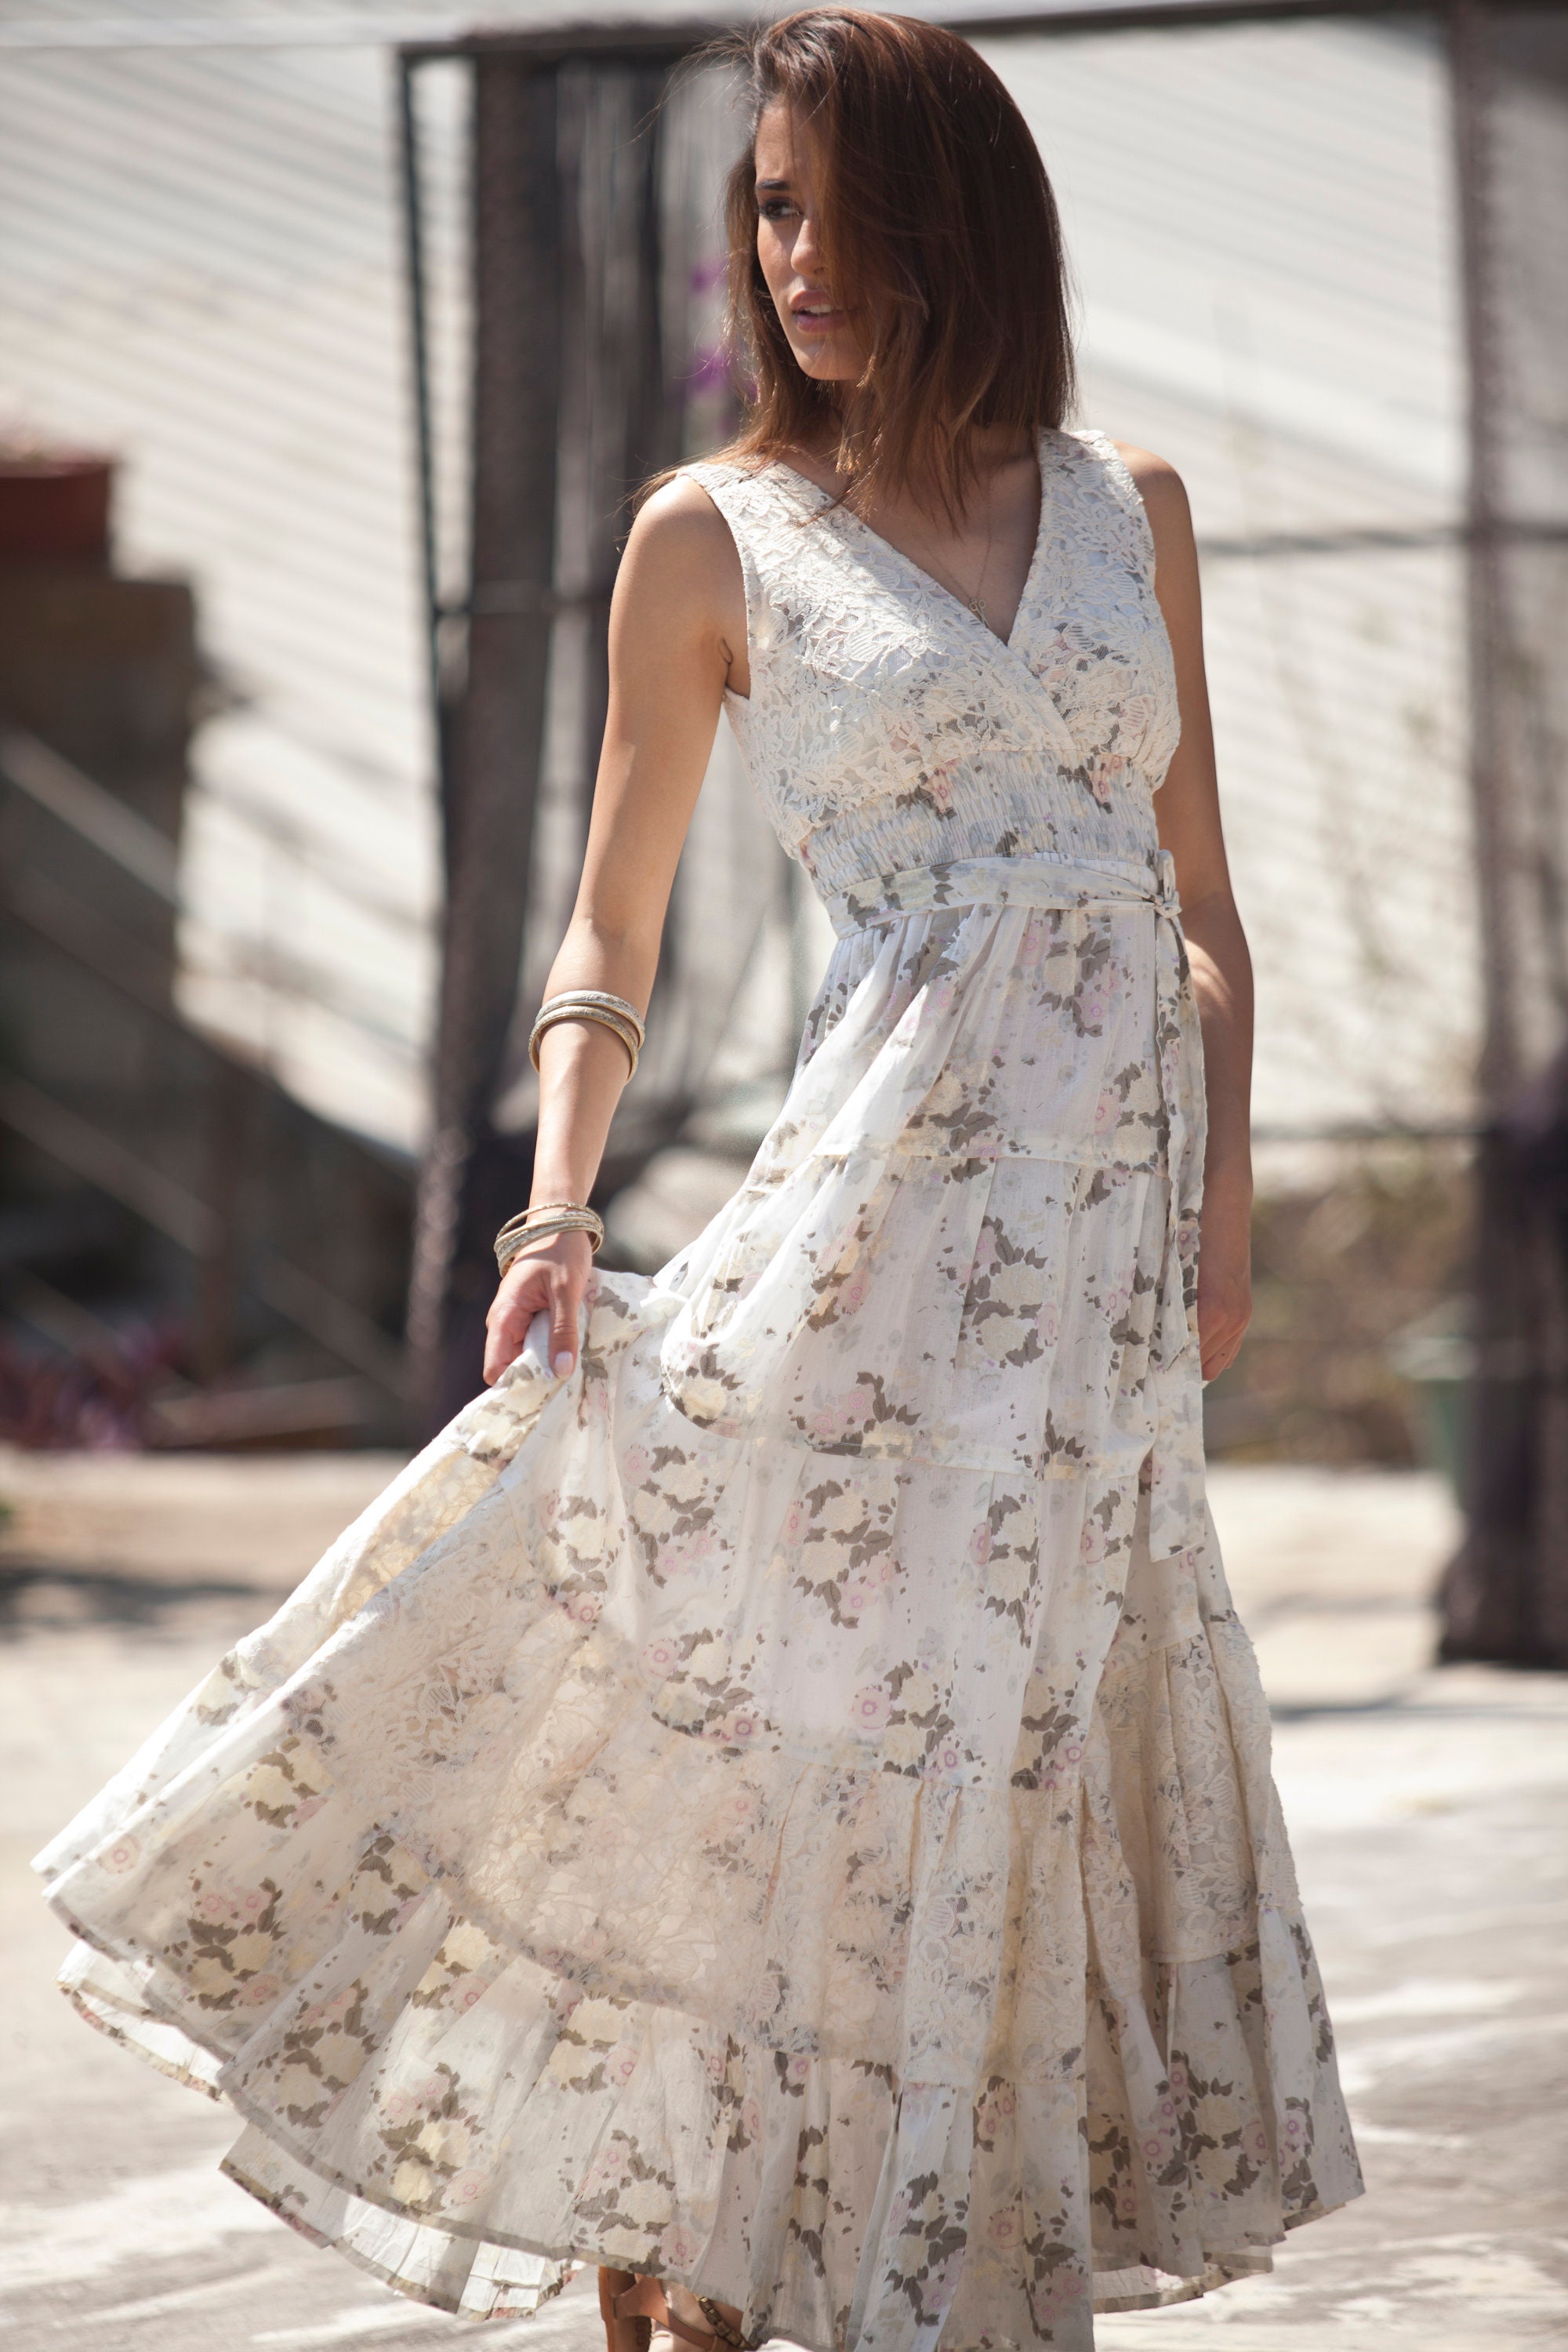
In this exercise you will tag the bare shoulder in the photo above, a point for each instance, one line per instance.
(680, 590)
(679, 532)
(1161, 488)
(680, 570)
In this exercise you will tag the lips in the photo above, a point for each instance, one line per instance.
(815, 313)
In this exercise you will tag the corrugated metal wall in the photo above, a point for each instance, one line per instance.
(199, 264)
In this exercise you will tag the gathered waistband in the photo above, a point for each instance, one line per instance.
(1064, 883)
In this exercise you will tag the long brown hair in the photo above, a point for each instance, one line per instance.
(939, 225)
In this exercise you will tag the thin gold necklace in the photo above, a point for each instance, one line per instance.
(975, 602)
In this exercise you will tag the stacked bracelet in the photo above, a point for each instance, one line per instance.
(542, 1224)
(591, 1005)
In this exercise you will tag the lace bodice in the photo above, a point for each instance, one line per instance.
(889, 727)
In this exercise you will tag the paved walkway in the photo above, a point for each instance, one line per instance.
(1427, 1814)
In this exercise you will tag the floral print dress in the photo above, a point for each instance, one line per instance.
(788, 1807)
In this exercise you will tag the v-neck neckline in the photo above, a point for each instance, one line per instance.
(1008, 643)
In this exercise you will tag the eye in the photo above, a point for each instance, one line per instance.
(775, 207)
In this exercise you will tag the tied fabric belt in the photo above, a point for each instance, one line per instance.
(1069, 886)
(1058, 883)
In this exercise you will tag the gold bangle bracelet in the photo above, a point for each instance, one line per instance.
(590, 1000)
(530, 1219)
(516, 1236)
(552, 1015)
(601, 997)
(612, 1012)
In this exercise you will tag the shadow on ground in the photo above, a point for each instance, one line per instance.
(38, 1596)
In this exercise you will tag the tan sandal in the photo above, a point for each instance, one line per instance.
(633, 2333)
(647, 2300)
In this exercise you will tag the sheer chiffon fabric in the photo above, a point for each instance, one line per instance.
(788, 1807)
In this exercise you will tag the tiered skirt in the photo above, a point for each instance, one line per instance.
(788, 1807)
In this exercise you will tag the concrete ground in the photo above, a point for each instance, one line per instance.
(1427, 1816)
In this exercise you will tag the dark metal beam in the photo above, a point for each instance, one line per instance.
(603, 41)
(1505, 1593)
(606, 41)
(492, 773)
(412, 187)
(445, 34)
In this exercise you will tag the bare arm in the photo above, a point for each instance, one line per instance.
(678, 635)
(1189, 808)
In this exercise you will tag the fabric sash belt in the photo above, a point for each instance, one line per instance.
(1069, 886)
(1061, 883)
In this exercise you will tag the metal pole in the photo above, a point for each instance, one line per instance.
(419, 353)
(1498, 1592)
(1471, 79)
(497, 734)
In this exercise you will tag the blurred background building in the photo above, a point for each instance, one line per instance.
(1277, 229)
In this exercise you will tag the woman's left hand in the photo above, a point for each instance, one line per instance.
(1224, 1273)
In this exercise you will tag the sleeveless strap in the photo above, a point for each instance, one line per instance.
(733, 491)
(763, 514)
(1119, 481)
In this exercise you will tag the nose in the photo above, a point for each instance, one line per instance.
(806, 255)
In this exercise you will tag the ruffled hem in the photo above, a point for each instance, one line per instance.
(471, 2281)
(465, 2121)
(701, 2192)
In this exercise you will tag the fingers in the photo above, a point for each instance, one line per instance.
(565, 1296)
(1221, 1327)
(513, 1309)
(550, 1281)
(1218, 1348)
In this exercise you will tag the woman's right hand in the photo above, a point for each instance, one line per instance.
(551, 1279)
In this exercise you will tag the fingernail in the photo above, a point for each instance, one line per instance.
(564, 1363)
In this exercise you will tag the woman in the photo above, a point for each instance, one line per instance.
(775, 1801)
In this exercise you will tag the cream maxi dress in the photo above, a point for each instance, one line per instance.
(788, 1807)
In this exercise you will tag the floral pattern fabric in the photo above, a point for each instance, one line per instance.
(788, 1807)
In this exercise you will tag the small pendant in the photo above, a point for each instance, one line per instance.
(977, 608)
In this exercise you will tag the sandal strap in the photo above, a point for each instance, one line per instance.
(643, 2299)
(721, 2327)
(621, 2332)
(647, 2300)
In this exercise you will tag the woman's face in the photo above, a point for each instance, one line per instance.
(823, 339)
